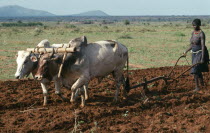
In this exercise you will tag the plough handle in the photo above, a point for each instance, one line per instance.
(175, 65)
(186, 71)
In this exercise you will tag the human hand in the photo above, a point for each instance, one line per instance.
(184, 53)
(202, 61)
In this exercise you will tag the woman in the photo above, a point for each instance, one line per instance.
(200, 54)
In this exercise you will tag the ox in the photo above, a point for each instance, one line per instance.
(27, 63)
(92, 60)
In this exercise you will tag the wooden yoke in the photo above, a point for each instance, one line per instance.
(50, 50)
(54, 50)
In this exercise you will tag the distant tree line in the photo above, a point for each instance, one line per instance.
(21, 24)
(112, 19)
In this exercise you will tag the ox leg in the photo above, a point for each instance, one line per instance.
(82, 98)
(80, 82)
(85, 89)
(117, 92)
(124, 94)
(81, 92)
(118, 79)
(45, 93)
(58, 91)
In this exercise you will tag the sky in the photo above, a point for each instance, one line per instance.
(117, 7)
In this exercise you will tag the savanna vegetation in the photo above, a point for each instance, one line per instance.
(150, 44)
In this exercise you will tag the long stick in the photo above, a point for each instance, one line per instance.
(61, 66)
(50, 50)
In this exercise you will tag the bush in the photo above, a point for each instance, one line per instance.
(87, 22)
(204, 24)
(70, 26)
(45, 27)
(37, 31)
(106, 27)
(180, 34)
(126, 22)
(126, 36)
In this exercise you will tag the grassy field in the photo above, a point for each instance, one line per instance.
(154, 44)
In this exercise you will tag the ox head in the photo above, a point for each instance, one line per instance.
(48, 66)
(49, 63)
(26, 63)
(79, 42)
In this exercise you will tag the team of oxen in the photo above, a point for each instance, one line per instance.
(88, 61)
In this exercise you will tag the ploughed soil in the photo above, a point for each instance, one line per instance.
(175, 108)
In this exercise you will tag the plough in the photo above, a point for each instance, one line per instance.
(166, 78)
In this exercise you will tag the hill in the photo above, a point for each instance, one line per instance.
(92, 13)
(18, 11)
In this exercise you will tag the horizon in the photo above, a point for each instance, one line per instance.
(131, 8)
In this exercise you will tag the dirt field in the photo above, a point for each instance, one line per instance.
(176, 110)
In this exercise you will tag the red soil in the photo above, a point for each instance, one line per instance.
(176, 110)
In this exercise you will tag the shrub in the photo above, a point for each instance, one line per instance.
(37, 31)
(87, 22)
(126, 22)
(70, 26)
(45, 27)
(204, 24)
(105, 27)
(180, 34)
(126, 36)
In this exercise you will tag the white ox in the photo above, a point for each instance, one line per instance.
(93, 60)
(27, 63)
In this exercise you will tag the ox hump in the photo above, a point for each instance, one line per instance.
(23, 53)
(44, 44)
(109, 43)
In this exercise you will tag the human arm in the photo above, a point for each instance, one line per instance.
(189, 48)
(203, 38)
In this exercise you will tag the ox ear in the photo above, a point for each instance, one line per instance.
(57, 59)
(84, 40)
(33, 58)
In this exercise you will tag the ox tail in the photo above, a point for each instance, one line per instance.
(127, 81)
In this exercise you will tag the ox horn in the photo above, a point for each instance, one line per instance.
(51, 55)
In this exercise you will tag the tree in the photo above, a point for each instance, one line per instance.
(126, 22)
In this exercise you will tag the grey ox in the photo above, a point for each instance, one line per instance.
(92, 60)
(27, 63)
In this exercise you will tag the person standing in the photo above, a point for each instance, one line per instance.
(200, 55)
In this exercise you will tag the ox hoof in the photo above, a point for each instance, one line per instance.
(86, 98)
(115, 101)
(65, 100)
(124, 97)
(196, 90)
(82, 105)
(72, 101)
